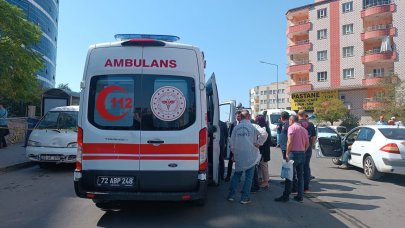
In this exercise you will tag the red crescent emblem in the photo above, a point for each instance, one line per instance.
(100, 103)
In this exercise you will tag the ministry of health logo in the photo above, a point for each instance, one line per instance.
(168, 103)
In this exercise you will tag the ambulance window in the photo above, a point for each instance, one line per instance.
(168, 102)
(114, 102)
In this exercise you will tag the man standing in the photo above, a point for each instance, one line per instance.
(297, 144)
(284, 132)
(230, 161)
(308, 153)
(382, 121)
(245, 142)
(3, 125)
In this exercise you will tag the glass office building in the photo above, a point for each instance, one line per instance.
(45, 14)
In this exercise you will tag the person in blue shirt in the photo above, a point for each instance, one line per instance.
(3, 125)
(382, 121)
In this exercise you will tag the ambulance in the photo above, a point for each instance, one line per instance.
(148, 126)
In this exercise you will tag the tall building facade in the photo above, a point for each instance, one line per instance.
(347, 47)
(265, 97)
(44, 13)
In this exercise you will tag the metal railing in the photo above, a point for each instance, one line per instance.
(379, 75)
(377, 3)
(300, 22)
(377, 27)
(376, 51)
(302, 42)
(299, 62)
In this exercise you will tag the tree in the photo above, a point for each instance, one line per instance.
(330, 110)
(393, 99)
(350, 121)
(18, 62)
(64, 87)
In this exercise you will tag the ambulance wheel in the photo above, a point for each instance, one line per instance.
(199, 202)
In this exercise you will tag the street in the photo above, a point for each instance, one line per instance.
(34, 197)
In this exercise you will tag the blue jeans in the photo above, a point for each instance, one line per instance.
(346, 157)
(307, 169)
(298, 167)
(246, 186)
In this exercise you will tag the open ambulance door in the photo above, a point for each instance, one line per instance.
(227, 115)
(213, 130)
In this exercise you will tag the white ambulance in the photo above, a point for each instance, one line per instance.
(148, 125)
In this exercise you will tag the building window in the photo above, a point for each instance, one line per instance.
(378, 72)
(348, 51)
(322, 13)
(347, 29)
(379, 96)
(261, 92)
(347, 7)
(274, 91)
(322, 76)
(282, 91)
(282, 100)
(348, 73)
(322, 34)
(322, 55)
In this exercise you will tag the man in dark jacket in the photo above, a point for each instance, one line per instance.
(222, 143)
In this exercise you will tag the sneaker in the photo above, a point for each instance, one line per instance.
(343, 166)
(307, 191)
(230, 199)
(294, 192)
(245, 201)
(298, 199)
(282, 199)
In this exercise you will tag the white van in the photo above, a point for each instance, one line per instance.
(54, 139)
(273, 116)
(148, 122)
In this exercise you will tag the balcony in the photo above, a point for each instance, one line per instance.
(378, 8)
(373, 103)
(303, 66)
(378, 79)
(303, 86)
(302, 46)
(378, 31)
(300, 27)
(378, 56)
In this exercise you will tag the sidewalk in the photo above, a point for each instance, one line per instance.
(13, 157)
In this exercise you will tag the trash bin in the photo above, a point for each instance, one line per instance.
(31, 123)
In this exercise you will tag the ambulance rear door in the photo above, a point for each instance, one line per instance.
(214, 133)
(171, 120)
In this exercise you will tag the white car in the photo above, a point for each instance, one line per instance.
(376, 149)
(54, 139)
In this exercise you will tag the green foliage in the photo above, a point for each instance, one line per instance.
(394, 99)
(18, 62)
(350, 121)
(64, 87)
(330, 110)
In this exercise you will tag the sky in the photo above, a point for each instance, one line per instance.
(235, 36)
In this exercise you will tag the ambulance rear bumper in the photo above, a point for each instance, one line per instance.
(199, 192)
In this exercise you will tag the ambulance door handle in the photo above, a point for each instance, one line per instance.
(156, 141)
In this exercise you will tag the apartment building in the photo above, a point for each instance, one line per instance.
(43, 13)
(345, 48)
(265, 97)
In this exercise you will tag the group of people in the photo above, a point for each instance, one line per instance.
(250, 150)
(392, 121)
(3, 126)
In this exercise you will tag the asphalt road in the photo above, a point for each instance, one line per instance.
(34, 197)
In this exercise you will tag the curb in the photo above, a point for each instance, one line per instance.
(17, 167)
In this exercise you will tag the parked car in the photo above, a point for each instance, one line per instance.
(342, 130)
(377, 149)
(54, 139)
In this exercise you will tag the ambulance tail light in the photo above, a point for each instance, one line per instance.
(79, 149)
(203, 149)
(143, 43)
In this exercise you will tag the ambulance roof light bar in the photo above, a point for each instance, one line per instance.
(167, 38)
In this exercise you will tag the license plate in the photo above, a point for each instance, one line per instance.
(112, 181)
(50, 157)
